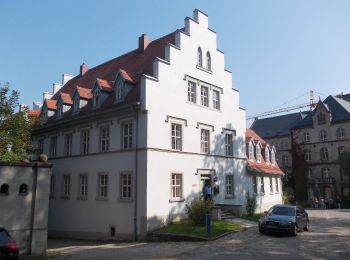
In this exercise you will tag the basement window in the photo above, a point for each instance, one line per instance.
(112, 231)
(4, 189)
(23, 189)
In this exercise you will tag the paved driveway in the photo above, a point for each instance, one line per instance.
(329, 238)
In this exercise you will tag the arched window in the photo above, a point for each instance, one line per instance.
(273, 157)
(208, 61)
(306, 137)
(307, 155)
(251, 151)
(199, 57)
(324, 154)
(258, 153)
(4, 189)
(23, 189)
(325, 172)
(267, 155)
(340, 133)
(323, 135)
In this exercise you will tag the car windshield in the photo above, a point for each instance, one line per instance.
(3, 236)
(284, 211)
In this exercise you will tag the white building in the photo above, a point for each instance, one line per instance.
(134, 139)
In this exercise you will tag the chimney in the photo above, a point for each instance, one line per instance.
(144, 40)
(56, 87)
(83, 69)
(37, 105)
(47, 95)
(65, 78)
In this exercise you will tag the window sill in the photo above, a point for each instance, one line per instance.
(204, 69)
(125, 200)
(176, 200)
(82, 198)
(64, 197)
(230, 196)
(101, 199)
(200, 105)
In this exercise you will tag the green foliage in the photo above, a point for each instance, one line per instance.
(14, 127)
(250, 205)
(254, 217)
(285, 199)
(197, 209)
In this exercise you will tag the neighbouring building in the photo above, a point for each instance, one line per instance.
(24, 200)
(318, 136)
(264, 171)
(135, 139)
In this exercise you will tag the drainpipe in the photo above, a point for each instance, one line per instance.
(136, 108)
(32, 213)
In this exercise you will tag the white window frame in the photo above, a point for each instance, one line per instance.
(324, 154)
(271, 184)
(340, 133)
(325, 173)
(258, 153)
(255, 184)
(277, 185)
(205, 141)
(83, 186)
(176, 186)
(267, 155)
(104, 138)
(127, 135)
(216, 99)
(306, 137)
(208, 56)
(251, 151)
(204, 96)
(85, 141)
(120, 90)
(229, 144)
(68, 141)
(323, 135)
(76, 105)
(66, 185)
(307, 155)
(229, 185)
(199, 57)
(126, 186)
(262, 185)
(273, 157)
(102, 186)
(191, 92)
(176, 136)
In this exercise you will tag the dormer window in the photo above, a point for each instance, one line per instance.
(199, 57)
(267, 155)
(120, 90)
(96, 99)
(258, 153)
(59, 110)
(208, 61)
(321, 118)
(76, 106)
(251, 151)
(273, 157)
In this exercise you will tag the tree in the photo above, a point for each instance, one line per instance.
(14, 126)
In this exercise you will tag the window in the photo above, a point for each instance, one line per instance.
(276, 185)
(285, 161)
(126, 186)
(325, 173)
(323, 135)
(76, 105)
(228, 144)
(52, 185)
(273, 157)
(216, 99)
(59, 110)
(176, 137)
(53, 146)
(306, 137)
(208, 61)
(23, 189)
(176, 186)
(267, 155)
(321, 118)
(229, 185)
(258, 153)
(85, 141)
(271, 185)
(66, 185)
(83, 185)
(4, 189)
(199, 57)
(324, 154)
(307, 155)
(309, 174)
(104, 139)
(262, 186)
(102, 186)
(204, 96)
(127, 135)
(204, 141)
(40, 146)
(251, 151)
(284, 145)
(120, 90)
(340, 133)
(96, 99)
(191, 92)
(341, 149)
(255, 186)
(68, 145)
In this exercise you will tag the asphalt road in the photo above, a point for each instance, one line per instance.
(328, 238)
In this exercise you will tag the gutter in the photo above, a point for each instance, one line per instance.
(136, 109)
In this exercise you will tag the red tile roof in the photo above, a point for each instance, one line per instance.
(84, 93)
(105, 85)
(260, 167)
(66, 99)
(51, 104)
(127, 76)
(34, 112)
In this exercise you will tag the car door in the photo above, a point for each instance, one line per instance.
(299, 218)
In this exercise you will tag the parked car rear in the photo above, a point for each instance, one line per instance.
(8, 247)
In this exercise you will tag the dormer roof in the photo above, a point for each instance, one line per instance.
(127, 77)
(84, 93)
(66, 99)
(105, 85)
(51, 104)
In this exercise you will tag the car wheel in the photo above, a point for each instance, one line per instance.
(307, 226)
(262, 231)
(295, 230)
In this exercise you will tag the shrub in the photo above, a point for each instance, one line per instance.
(197, 209)
(285, 199)
(250, 205)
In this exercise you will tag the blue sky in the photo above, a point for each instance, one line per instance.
(276, 49)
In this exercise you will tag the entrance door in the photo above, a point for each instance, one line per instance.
(204, 180)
